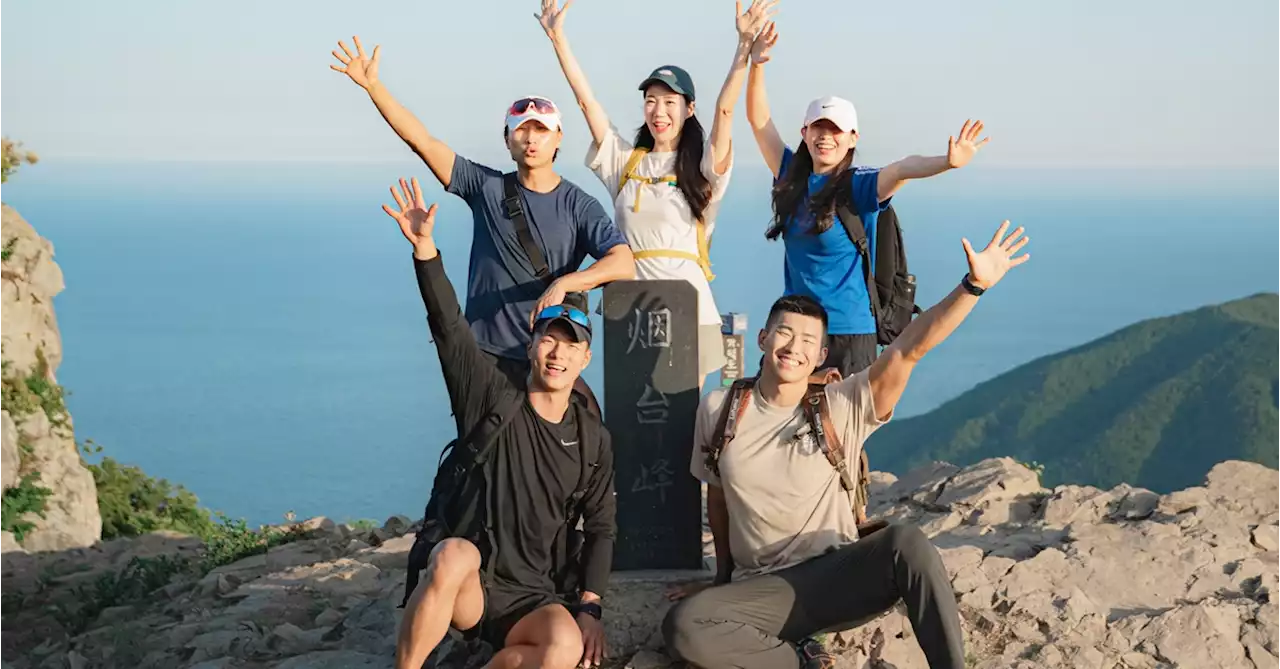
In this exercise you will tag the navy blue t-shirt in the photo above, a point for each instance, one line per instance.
(502, 288)
(828, 267)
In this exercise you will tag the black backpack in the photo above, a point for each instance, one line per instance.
(891, 287)
(458, 504)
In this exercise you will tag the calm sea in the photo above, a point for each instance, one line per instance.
(253, 332)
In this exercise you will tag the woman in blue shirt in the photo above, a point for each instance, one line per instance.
(810, 183)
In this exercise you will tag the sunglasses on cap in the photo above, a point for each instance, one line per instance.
(572, 313)
(540, 105)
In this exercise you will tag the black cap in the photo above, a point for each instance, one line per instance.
(580, 333)
(673, 77)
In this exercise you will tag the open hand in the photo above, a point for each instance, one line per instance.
(552, 17)
(593, 644)
(764, 43)
(362, 69)
(989, 266)
(960, 151)
(752, 21)
(417, 222)
(553, 295)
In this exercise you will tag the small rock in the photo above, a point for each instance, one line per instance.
(1137, 504)
(1266, 537)
(329, 617)
(397, 525)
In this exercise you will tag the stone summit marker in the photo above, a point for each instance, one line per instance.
(651, 397)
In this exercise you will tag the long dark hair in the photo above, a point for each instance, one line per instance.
(793, 189)
(689, 177)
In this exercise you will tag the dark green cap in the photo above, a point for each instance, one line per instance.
(673, 77)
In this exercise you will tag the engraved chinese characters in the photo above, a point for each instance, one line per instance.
(651, 397)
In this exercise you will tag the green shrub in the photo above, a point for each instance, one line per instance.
(132, 503)
(26, 497)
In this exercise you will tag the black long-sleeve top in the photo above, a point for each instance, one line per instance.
(536, 464)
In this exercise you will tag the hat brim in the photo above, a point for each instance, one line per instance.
(843, 125)
(548, 121)
(669, 83)
(580, 333)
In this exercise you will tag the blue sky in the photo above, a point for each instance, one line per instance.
(1086, 83)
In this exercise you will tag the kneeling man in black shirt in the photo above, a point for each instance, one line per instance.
(551, 463)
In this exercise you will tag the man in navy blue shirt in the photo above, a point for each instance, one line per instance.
(566, 223)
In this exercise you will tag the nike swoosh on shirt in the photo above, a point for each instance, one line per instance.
(568, 443)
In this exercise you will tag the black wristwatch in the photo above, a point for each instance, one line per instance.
(972, 289)
(592, 609)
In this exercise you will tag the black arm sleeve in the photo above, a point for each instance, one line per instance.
(599, 522)
(472, 380)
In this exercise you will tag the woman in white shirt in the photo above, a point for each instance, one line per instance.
(668, 182)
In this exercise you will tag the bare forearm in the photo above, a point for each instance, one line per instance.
(597, 120)
(616, 265)
(432, 151)
(890, 372)
(718, 519)
(722, 126)
(757, 99)
(934, 325)
(761, 121)
(892, 176)
(922, 167)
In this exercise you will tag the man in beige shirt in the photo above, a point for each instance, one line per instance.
(783, 522)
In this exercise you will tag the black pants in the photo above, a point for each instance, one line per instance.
(518, 371)
(850, 353)
(756, 621)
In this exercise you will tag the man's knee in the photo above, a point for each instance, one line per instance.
(565, 646)
(684, 627)
(911, 544)
(452, 560)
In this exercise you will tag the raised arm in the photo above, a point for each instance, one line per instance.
(472, 381)
(552, 20)
(749, 25)
(758, 115)
(889, 373)
(364, 72)
(959, 153)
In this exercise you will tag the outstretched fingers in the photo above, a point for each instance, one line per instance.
(345, 50)
(995, 239)
(400, 201)
(1007, 242)
(418, 200)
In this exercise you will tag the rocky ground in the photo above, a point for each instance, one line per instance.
(1070, 577)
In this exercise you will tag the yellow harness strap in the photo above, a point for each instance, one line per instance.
(703, 258)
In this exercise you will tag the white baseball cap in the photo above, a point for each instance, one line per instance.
(533, 108)
(837, 110)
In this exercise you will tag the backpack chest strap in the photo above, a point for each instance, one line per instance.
(818, 412)
(730, 416)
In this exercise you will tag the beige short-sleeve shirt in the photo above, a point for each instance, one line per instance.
(785, 500)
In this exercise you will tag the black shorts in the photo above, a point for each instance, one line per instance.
(503, 608)
(850, 353)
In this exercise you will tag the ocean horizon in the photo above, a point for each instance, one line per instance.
(253, 331)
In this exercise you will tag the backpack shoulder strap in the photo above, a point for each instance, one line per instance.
(629, 170)
(817, 411)
(503, 412)
(857, 232)
(726, 427)
(515, 212)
